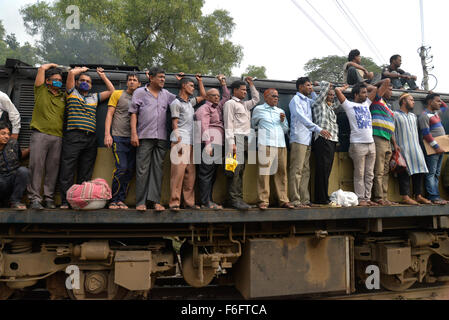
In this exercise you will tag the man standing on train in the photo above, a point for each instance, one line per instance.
(430, 127)
(301, 131)
(149, 135)
(237, 123)
(79, 150)
(119, 138)
(46, 137)
(212, 136)
(383, 133)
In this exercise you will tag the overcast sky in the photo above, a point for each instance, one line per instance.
(277, 35)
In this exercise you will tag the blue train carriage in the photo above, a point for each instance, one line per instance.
(118, 255)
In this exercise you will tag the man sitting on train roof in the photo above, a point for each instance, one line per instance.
(80, 142)
(354, 72)
(9, 114)
(117, 136)
(46, 138)
(398, 76)
(13, 178)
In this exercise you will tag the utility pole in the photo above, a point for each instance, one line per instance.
(423, 51)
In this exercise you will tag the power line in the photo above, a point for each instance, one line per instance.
(318, 26)
(348, 17)
(328, 24)
(379, 54)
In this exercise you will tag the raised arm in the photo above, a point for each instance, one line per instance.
(40, 77)
(202, 95)
(372, 90)
(255, 97)
(339, 92)
(14, 115)
(70, 84)
(105, 94)
(226, 94)
(384, 87)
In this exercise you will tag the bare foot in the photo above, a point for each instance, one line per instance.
(409, 201)
(159, 208)
(363, 203)
(142, 208)
(422, 200)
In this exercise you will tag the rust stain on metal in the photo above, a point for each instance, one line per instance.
(317, 259)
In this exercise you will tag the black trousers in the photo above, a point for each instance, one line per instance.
(324, 159)
(79, 152)
(235, 183)
(404, 183)
(207, 173)
(13, 185)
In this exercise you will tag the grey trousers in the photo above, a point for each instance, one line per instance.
(45, 155)
(149, 169)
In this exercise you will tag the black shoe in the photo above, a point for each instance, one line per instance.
(241, 205)
(36, 205)
(50, 204)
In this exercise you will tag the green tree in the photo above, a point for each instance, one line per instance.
(171, 33)
(255, 71)
(331, 68)
(11, 48)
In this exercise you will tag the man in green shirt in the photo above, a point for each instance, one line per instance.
(46, 138)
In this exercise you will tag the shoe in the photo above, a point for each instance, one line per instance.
(241, 205)
(36, 205)
(50, 204)
(18, 206)
(64, 206)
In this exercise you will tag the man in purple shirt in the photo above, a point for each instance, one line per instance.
(212, 135)
(149, 134)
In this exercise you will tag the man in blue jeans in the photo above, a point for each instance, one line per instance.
(119, 138)
(430, 127)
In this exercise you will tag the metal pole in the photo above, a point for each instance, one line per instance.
(422, 50)
(421, 5)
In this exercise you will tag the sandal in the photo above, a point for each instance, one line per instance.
(440, 202)
(302, 206)
(174, 209)
(287, 205)
(18, 206)
(212, 206)
(122, 205)
(263, 206)
(372, 204)
(142, 208)
(113, 206)
(64, 206)
(159, 208)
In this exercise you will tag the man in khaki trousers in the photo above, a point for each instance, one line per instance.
(271, 125)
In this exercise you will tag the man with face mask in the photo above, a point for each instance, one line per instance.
(80, 142)
(119, 139)
(46, 137)
(212, 136)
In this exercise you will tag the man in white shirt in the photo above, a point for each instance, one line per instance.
(9, 112)
(362, 149)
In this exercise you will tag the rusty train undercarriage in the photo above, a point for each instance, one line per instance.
(278, 253)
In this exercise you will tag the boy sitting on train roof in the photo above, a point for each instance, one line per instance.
(13, 178)
(354, 72)
(398, 76)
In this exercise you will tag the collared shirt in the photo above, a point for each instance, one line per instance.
(301, 126)
(383, 118)
(237, 116)
(271, 130)
(48, 112)
(184, 112)
(121, 126)
(7, 106)
(323, 115)
(211, 117)
(82, 111)
(151, 113)
(407, 138)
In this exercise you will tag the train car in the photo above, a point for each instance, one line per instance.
(108, 254)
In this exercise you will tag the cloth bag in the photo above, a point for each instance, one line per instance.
(230, 165)
(90, 195)
(344, 198)
(397, 163)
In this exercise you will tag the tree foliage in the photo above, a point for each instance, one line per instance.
(11, 48)
(330, 68)
(255, 71)
(171, 33)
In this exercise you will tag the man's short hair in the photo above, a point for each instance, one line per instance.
(51, 72)
(132, 74)
(4, 125)
(354, 53)
(394, 58)
(84, 74)
(154, 71)
(357, 88)
(185, 80)
(430, 97)
(237, 84)
(302, 81)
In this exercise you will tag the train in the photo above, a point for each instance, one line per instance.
(113, 255)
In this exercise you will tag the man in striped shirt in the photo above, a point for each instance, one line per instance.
(79, 147)
(407, 138)
(430, 126)
(383, 133)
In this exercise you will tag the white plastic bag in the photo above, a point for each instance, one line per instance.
(344, 198)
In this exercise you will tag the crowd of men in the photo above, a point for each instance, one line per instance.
(144, 122)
